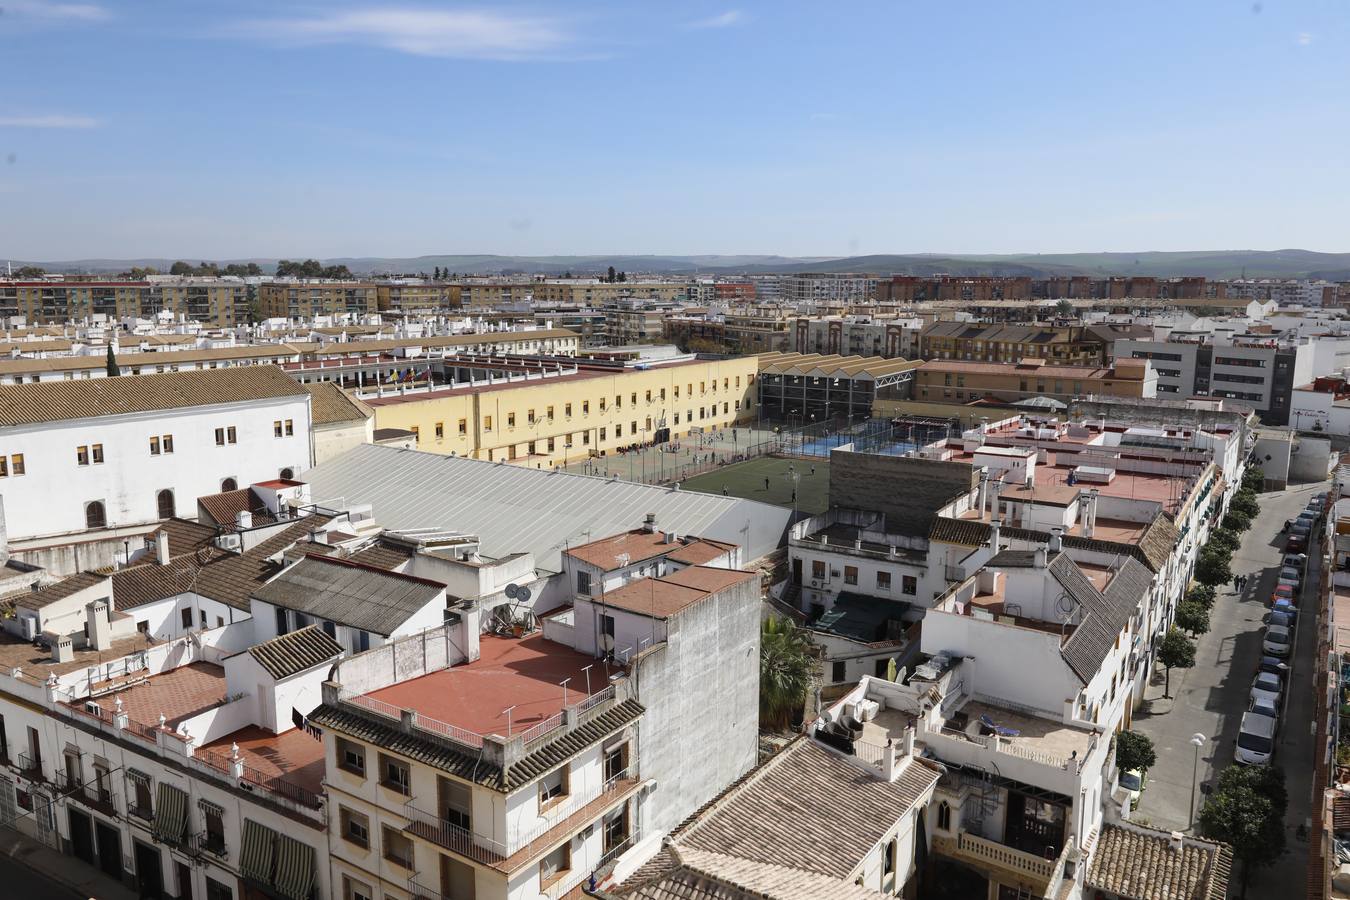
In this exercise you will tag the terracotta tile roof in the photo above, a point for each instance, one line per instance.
(59, 591)
(223, 508)
(1139, 864)
(383, 556)
(331, 404)
(700, 875)
(640, 545)
(288, 654)
(469, 765)
(53, 401)
(807, 808)
(661, 598)
(184, 537)
(1153, 549)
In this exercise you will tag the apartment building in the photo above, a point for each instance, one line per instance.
(214, 302)
(307, 299)
(544, 415)
(891, 338)
(111, 453)
(1258, 370)
(811, 289)
(961, 382)
(635, 323)
(1058, 344)
(595, 293)
(410, 296)
(756, 330)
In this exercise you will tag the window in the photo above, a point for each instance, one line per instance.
(909, 585)
(944, 816)
(416, 433)
(440, 430)
(282, 624)
(618, 431)
(220, 437)
(555, 864)
(228, 484)
(850, 574)
(217, 891)
(548, 413)
(351, 757)
(397, 847)
(355, 827)
(837, 671)
(215, 827)
(186, 615)
(616, 761)
(463, 426)
(888, 858)
(354, 890)
(94, 515)
(586, 406)
(567, 410)
(616, 829)
(818, 569)
(510, 420)
(290, 427)
(164, 504)
(154, 446)
(487, 423)
(231, 435)
(395, 775)
(529, 417)
(82, 455)
(884, 581)
(553, 786)
(276, 428)
(16, 464)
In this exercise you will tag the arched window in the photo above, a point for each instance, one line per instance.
(164, 500)
(229, 484)
(944, 816)
(288, 474)
(94, 515)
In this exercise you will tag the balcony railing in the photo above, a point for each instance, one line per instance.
(421, 892)
(973, 848)
(90, 793)
(146, 812)
(207, 844)
(31, 767)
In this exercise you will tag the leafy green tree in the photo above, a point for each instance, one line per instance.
(1192, 617)
(113, 370)
(180, 268)
(1236, 521)
(1064, 309)
(29, 272)
(610, 275)
(1246, 811)
(1175, 651)
(1134, 751)
(785, 666)
(1213, 567)
(1254, 478)
(1223, 540)
(1245, 502)
(1203, 594)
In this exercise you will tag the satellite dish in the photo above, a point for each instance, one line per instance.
(522, 595)
(512, 590)
(607, 642)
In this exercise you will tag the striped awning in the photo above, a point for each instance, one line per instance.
(138, 775)
(257, 852)
(210, 809)
(295, 868)
(171, 814)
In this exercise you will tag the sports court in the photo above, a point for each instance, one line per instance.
(746, 480)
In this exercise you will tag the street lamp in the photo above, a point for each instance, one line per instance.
(1197, 741)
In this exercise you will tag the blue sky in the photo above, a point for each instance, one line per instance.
(214, 130)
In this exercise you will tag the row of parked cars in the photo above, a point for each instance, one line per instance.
(1256, 737)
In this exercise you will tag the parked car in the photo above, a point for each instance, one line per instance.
(1296, 543)
(1286, 607)
(1301, 528)
(1256, 740)
(1271, 664)
(1133, 783)
(1282, 592)
(1263, 707)
(1295, 560)
(1277, 641)
(1290, 575)
(1274, 617)
(1267, 686)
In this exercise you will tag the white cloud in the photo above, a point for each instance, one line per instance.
(40, 9)
(1304, 39)
(723, 20)
(473, 34)
(52, 120)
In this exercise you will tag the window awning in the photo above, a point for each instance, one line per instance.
(171, 814)
(138, 775)
(257, 852)
(295, 868)
(210, 809)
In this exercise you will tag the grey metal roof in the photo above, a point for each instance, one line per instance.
(514, 509)
(349, 593)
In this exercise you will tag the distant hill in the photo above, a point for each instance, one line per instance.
(1206, 263)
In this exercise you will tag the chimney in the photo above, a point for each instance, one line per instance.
(994, 528)
(909, 740)
(162, 547)
(888, 760)
(1039, 557)
(63, 649)
(669, 537)
(1178, 841)
(1056, 539)
(98, 618)
(649, 524)
(243, 520)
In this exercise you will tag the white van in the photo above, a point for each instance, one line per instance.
(1256, 740)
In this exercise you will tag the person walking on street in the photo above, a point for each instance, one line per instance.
(1237, 583)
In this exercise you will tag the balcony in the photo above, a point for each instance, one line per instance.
(207, 844)
(1026, 869)
(90, 793)
(31, 767)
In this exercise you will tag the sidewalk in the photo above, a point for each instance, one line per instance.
(76, 875)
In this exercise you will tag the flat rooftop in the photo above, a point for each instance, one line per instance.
(1340, 616)
(16, 652)
(1045, 736)
(178, 694)
(526, 674)
(293, 756)
(1119, 530)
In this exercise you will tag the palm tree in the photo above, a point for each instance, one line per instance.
(785, 666)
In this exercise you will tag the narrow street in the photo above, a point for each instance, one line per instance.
(1210, 698)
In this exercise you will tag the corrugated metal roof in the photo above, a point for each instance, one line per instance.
(349, 593)
(288, 654)
(513, 509)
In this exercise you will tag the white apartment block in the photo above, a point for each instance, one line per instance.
(122, 452)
